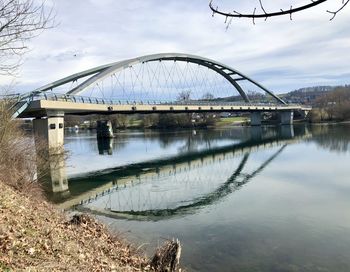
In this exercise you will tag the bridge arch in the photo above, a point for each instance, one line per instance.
(99, 73)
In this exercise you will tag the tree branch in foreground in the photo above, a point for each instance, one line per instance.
(20, 21)
(265, 14)
(334, 13)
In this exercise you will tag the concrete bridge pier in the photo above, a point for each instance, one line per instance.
(104, 129)
(255, 118)
(49, 142)
(304, 113)
(49, 131)
(286, 117)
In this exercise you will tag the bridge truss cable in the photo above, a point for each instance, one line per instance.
(162, 77)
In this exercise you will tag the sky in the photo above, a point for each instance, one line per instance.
(281, 54)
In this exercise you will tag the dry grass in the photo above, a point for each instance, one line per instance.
(18, 159)
(36, 237)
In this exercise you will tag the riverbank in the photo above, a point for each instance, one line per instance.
(34, 236)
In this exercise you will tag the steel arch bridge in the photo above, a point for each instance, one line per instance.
(99, 73)
(86, 92)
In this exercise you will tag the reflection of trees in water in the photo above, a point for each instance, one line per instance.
(192, 140)
(334, 138)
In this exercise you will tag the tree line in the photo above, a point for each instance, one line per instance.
(332, 106)
(154, 120)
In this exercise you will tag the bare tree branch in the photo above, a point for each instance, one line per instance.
(20, 21)
(265, 14)
(334, 13)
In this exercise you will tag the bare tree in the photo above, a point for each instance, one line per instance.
(184, 96)
(334, 105)
(20, 20)
(264, 14)
(208, 96)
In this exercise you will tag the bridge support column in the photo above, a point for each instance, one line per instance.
(49, 141)
(304, 114)
(50, 132)
(286, 117)
(104, 129)
(255, 118)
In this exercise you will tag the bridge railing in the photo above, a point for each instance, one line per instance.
(93, 100)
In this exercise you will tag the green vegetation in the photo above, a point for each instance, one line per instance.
(232, 120)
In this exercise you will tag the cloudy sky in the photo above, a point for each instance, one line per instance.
(283, 55)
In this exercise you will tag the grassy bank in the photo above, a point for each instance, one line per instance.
(232, 121)
(34, 236)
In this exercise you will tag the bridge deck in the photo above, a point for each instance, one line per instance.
(39, 108)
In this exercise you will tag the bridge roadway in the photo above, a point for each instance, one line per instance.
(170, 166)
(56, 105)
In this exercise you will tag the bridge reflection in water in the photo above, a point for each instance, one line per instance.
(175, 185)
(181, 190)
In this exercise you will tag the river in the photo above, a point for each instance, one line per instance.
(237, 198)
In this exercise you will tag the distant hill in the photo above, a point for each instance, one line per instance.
(307, 95)
(314, 89)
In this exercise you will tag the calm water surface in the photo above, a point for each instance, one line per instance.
(238, 199)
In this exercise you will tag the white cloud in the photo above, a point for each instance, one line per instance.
(281, 54)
